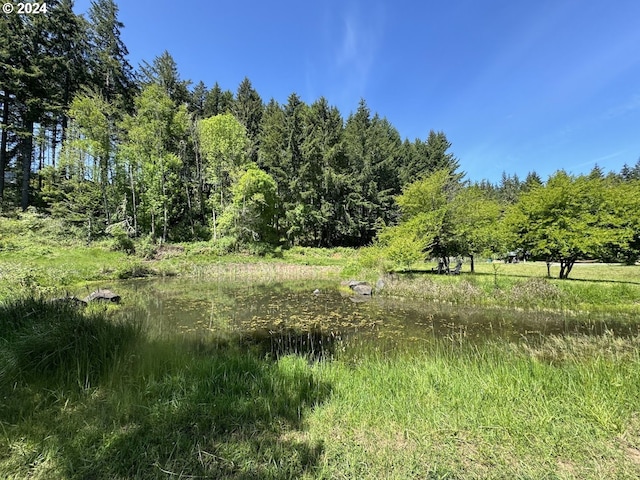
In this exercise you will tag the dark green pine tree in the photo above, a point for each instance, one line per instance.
(423, 158)
(197, 99)
(217, 101)
(292, 162)
(68, 64)
(163, 71)
(271, 158)
(358, 207)
(385, 148)
(374, 153)
(509, 188)
(531, 181)
(111, 72)
(321, 177)
(12, 53)
(248, 109)
(27, 89)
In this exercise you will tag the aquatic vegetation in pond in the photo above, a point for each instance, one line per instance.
(217, 310)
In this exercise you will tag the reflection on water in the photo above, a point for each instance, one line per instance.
(288, 316)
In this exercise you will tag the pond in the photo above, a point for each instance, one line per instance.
(289, 316)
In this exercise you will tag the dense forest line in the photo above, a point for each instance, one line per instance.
(114, 150)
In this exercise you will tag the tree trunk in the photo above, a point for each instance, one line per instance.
(54, 143)
(104, 179)
(214, 224)
(27, 152)
(3, 141)
(472, 264)
(133, 199)
(164, 211)
(189, 209)
(42, 134)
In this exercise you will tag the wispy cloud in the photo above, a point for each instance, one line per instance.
(359, 37)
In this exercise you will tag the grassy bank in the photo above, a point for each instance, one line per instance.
(613, 289)
(105, 400)
(38, 255)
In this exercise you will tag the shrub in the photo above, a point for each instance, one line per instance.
(121, 240)
(134, 270)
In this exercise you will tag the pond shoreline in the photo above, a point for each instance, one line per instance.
(58, 269)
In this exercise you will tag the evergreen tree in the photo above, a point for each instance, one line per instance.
(321, 176)
(217, 101)
(532, 181)
(197, 100)
(248, 109)
(423, 158)
(110, 70)
(164, 72)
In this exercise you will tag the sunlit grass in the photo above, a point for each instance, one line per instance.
(596, 288)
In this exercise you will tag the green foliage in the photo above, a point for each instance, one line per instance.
(250, 217)
(154, 162)
(570, 218)
(134, 269)
(223, 142)
(121, 241)
(426, 218)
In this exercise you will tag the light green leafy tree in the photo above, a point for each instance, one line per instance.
(567, 219)
(151, 151)
(224, 146)
(426, 224)
(475, 219)
(251, 215)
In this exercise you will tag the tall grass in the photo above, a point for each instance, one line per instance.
(513, 288)
(564, 408)
(59, 342)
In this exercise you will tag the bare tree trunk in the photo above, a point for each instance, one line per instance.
(3, 141)
(214, 224)
(186, 188)
(164, 211)
(133, 198)
(27, 153)
(104, 179)
(42, 136)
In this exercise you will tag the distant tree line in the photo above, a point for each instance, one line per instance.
(565, 219)
(112, 150)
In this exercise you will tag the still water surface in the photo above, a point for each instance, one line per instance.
(201, 308)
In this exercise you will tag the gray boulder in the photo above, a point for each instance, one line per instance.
(362, 289)
(101, 295)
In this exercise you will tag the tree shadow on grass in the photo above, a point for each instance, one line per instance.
(171, 409)
(409, 274)
(570, 279)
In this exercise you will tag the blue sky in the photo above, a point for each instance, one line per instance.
(515, 86)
